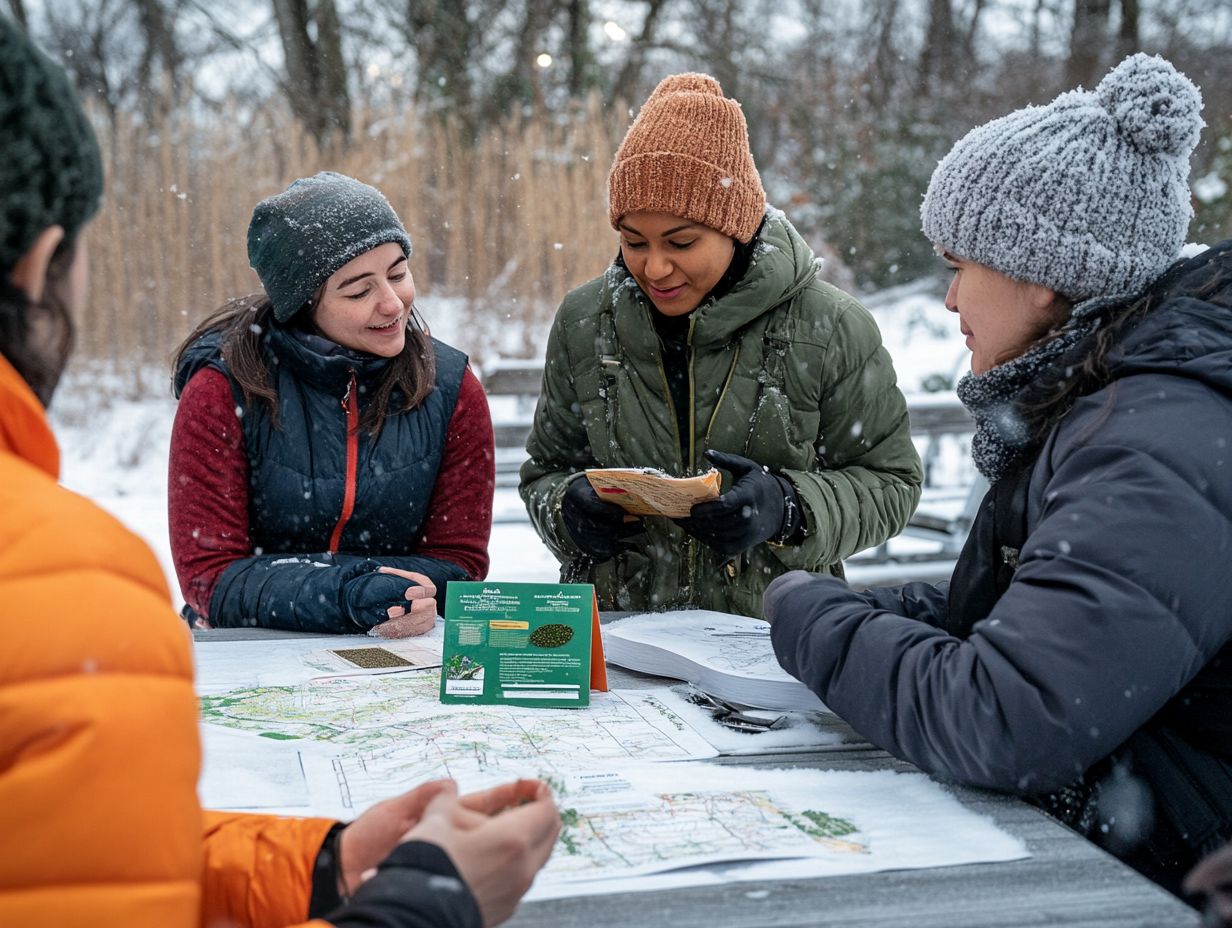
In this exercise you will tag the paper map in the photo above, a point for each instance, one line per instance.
(744, 820)
(636, 801)
(625, 832)
(390, 733)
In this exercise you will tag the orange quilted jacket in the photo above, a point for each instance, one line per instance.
(99, 755)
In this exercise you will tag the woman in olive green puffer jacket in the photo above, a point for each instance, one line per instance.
(710, 341)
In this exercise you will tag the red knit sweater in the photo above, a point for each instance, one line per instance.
(207, 492)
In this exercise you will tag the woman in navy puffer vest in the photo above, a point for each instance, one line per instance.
(331, 464)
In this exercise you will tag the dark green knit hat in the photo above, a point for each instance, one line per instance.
(51, 173)
(299, 237)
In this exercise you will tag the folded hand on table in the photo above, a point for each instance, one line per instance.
(498, 838)
(1213, 877)
(394, 603)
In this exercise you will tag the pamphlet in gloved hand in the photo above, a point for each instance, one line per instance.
(645, 491)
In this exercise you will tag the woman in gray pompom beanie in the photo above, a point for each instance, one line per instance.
(1080, 654)
(1050, 214)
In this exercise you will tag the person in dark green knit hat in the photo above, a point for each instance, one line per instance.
(332, 466)
(98, 828)
(51, 181)
(299, 237)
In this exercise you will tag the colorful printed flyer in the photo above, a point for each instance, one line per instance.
(522, 644)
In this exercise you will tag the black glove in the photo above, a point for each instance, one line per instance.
(595, 526)
(760, 506)
(367, 598)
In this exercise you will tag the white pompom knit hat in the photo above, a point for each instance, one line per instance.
(1088, 196)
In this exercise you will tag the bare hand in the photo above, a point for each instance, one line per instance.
(418, 617)
(1213, 876)
(369, 839)
(498, 839)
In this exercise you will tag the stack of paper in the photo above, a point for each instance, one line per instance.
(728, 656)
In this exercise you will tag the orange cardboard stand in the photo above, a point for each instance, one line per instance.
(598, 660)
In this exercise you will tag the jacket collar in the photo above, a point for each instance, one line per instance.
(24, 430)
(320, 362)
(1188, 332)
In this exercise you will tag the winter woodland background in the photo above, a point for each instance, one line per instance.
(491, 126)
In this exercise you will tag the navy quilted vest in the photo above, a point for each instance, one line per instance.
(297, 477)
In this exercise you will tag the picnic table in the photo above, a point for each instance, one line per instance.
(1067, 880)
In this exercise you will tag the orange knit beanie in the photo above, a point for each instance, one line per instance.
(687, 154)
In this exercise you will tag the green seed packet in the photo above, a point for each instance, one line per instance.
(522, 644)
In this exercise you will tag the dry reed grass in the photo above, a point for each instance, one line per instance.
(509, 222)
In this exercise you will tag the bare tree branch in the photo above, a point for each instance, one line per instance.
(19, 13)
(1128, 40)
(625, 84)
(581, 59)
(316, 72)
(1087, 38)
(939, 45)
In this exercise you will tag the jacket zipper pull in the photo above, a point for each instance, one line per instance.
(346, 397)
(351, 409)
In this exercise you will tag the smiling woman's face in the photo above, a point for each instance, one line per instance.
(1000, 316)
(676, 262)
(365, 302)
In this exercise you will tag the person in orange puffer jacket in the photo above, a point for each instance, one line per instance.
(99, 752)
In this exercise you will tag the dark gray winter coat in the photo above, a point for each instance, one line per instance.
(1123, 592)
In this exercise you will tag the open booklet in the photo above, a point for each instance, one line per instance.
(645, 491)
(729, 656)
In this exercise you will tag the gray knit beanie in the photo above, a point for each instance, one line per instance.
(50, 170)
(299, 237)
(1088, 196)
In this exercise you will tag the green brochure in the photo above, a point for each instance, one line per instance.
(522, 644)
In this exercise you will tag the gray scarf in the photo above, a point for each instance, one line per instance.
(1002, 436)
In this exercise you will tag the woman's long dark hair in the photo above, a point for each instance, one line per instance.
(1084, 369)
(37, 336)
(242, 322)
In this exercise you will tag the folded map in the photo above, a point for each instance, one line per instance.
(645, 491)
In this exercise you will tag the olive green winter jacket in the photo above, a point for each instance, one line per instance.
(784, 369)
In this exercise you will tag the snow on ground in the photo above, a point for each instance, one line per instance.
(114, 444)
